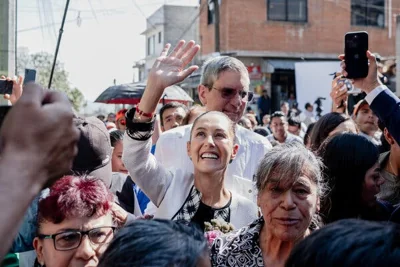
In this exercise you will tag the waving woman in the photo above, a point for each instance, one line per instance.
(194, 197)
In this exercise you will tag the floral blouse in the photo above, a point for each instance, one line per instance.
(240, 248)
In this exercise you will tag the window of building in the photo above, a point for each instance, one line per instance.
(287, 10)
(368, 13)
(210, 13)
(151, 45)
(159, 38)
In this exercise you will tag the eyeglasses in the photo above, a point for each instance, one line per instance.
(229, 93)
(70, 240)
(123, 122)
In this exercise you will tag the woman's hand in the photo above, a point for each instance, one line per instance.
(166, 71)
(17, 89)
(368, 83)
(339, 95)
(169, 69)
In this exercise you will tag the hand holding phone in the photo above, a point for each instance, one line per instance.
(368, 83)
(339, 94)
(15, 93)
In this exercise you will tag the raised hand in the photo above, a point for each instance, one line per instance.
(39, 134)
(170, 69)
(166, 71)
(339, 95)
(370, 82)
(17, 89)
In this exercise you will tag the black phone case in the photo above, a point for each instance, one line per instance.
(6, 87)
(355, 50)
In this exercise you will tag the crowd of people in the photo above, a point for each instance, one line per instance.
(143, 189)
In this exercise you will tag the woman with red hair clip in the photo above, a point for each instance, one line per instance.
(75, 223)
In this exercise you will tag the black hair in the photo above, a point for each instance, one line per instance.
(232, 125)
(308, 105)
(324, 126)
(385, 146)
(261, 131)
(115, 136)
(171, 105)
(347, 158)
(349, 243)
(308, 133)
(293, 121)
(155, 242)
(277, 114)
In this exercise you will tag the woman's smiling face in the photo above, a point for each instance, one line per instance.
(212, 143)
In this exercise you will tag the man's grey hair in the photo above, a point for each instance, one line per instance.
(286, 163)
(214, 66)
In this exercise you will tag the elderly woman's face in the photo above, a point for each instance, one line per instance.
(288, 208)
(49, 251)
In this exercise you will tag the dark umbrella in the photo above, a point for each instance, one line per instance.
(131, 93)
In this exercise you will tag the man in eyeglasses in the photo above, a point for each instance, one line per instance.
(224, 87)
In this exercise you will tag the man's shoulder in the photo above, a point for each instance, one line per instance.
(293, 137)
(250, 136)
(178, 132)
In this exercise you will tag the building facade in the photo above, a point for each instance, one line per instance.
(7, 37)
(269, 36)
(168, 24)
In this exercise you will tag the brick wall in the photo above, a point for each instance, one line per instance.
(244, 26)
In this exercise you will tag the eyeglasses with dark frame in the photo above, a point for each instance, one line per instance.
(229, 93)
(72, 239)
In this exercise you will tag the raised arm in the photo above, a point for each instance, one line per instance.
(167, 70)
(382, 101)
(37, 145)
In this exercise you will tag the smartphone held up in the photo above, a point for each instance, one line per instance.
(6, 87)
(355, 52)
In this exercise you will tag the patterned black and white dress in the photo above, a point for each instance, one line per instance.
(240, 248)
(190, 210)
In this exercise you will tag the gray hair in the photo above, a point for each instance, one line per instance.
(289, 162)
(214, 66)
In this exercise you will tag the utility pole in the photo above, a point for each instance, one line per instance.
(216, 14)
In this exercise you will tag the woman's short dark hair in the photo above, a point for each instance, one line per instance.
(324, 126)
(232, 125)
(349, 243)
(156, 242)
(261, 131)
(347, 158)
(115, 136)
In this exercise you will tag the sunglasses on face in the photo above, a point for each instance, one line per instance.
(229, 93)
